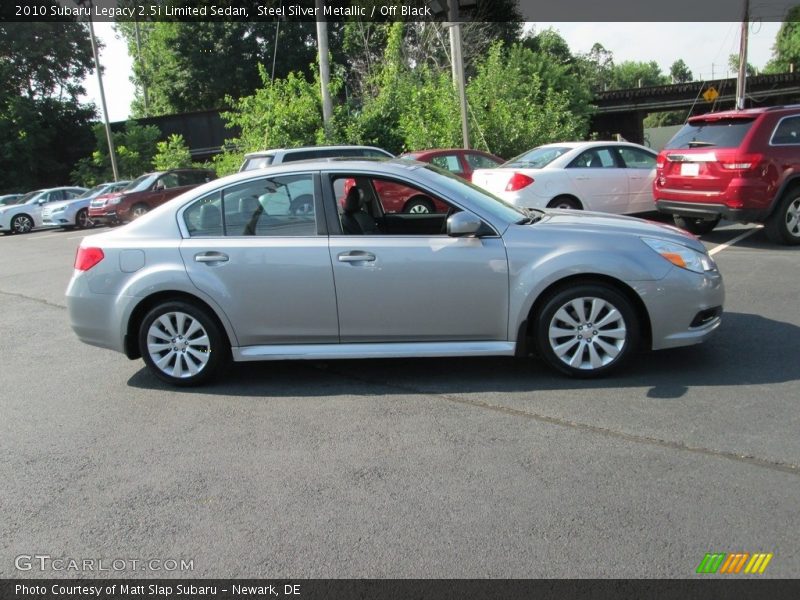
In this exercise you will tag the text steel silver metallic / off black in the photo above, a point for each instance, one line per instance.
(282, 263)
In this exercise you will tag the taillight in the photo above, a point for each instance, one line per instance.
(659, 165)
(86, 258)
(739, 162)
(518, 181)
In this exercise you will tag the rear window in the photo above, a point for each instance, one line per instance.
(536, 158)
(727, 133)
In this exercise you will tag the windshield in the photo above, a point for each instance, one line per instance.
(460, 188)
(31, 197)
(141, 183)
(536, 158)
(725, 133)
(94, 191)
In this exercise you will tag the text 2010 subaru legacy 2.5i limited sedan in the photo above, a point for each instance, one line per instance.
(231, 270)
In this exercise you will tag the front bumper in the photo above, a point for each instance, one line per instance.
(685, 308)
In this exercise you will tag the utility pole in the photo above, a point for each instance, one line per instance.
(324, 67)
(458, 67)
(109, 139)
(741, 80)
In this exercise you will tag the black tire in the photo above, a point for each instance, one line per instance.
(581, 348)
(22, 224)
(184, 347)
(419, 205)
(696, 225)
(783, 225)
(565, 202)
(82, 220)
(138, 210)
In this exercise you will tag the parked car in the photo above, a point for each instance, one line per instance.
(614, 177)
(26, 214)
(228, 271)
(75, 213)
(277, 156)
(145, 193)
(7, 199)
(460, 162)
(741, 165)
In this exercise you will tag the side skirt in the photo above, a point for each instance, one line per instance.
(392, 350)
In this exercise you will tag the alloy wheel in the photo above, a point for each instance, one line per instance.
(178, 345)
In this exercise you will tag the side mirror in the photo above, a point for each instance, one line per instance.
(41, 201)
(463, 224)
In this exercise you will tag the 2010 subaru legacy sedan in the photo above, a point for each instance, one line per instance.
(230, 270)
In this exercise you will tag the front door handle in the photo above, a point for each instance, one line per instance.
(582, 178)
(211, 257)
(356, 256)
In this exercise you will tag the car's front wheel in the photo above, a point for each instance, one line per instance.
(783, 226)
(586, 330)
(21, 224)
(182, 344)
(696, 225)
(82, 220)
(139, 210)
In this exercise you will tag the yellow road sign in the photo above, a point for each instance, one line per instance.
(711, 94)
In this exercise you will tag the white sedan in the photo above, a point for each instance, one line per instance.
(26, 214)
(614, 177)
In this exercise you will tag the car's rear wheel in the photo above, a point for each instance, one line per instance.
(696, 225)
(21, 224)
(139, 210)
(783, 226)
(586, 330)
(182, 344)
(419, 205)
(82, 220)
(564, 202)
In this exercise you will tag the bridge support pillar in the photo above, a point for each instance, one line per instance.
(630, 125)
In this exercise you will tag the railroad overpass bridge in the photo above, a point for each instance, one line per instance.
(619, 112)
(623, 111)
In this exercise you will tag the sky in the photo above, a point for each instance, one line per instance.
(704, 47)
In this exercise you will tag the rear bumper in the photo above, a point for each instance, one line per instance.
(709, 210)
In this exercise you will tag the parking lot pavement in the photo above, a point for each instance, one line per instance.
(407, 468)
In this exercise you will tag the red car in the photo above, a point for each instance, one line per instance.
(397, 198)
(742, 165)
(144, 194)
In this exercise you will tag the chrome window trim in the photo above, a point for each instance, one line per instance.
(775, 129)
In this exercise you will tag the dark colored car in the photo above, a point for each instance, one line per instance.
(741, 165)
(145, 193)
(398, 198)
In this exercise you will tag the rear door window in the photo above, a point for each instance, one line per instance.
(726, 133)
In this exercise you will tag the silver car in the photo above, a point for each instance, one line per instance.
(230, 271)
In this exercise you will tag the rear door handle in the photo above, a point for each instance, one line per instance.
(211, 257)
(356, 256)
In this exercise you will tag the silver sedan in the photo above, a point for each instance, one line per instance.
(232, 271)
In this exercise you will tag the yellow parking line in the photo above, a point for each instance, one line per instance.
(738, 238)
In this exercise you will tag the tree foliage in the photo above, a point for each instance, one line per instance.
(135, 147)
(679, 72)
(632, 74)
(173, 153)
(41, 67)
(786, 50)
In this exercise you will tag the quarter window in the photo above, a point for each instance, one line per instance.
(277, 206)
(787, 132)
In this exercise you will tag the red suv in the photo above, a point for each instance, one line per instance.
(742, 165)
(145, 193)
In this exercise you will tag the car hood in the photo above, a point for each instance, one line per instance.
(576, 221)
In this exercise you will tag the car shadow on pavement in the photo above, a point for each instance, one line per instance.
(747, 349)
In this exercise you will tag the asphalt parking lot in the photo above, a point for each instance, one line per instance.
(465, 468)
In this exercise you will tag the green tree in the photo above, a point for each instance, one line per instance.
(595, 68)
(172, 153)
(632, 74)
(135, 147)
(43, 128)
(733, 65)
(679, 72)
(786, 50)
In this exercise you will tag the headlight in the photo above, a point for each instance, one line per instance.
(116, 200)
(682, 256)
